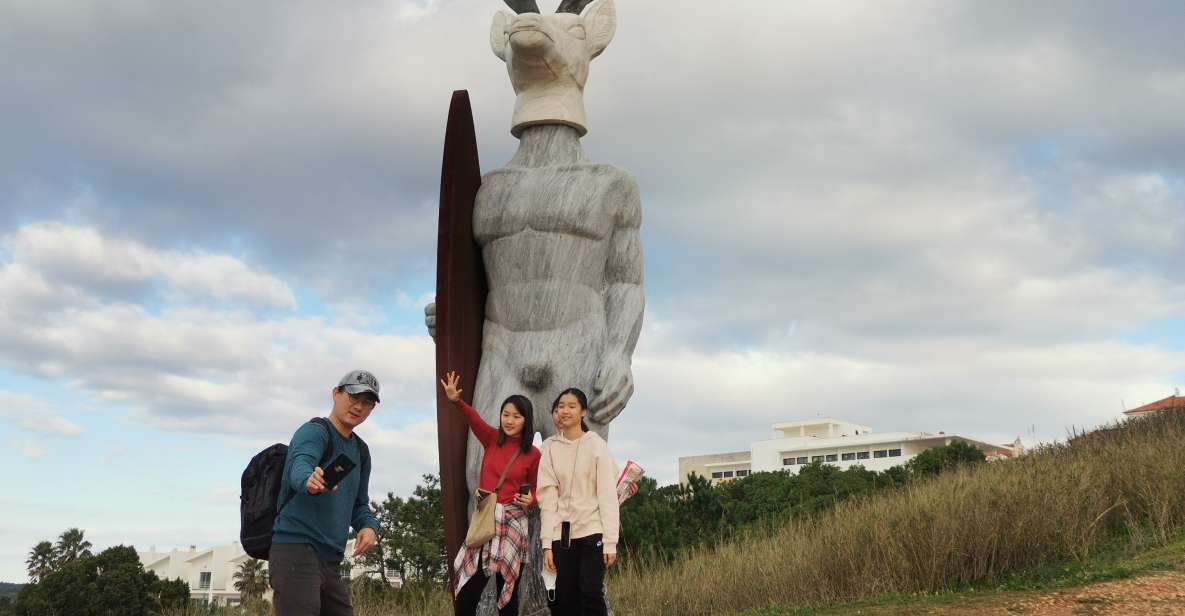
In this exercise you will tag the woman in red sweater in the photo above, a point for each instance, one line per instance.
(509, 448)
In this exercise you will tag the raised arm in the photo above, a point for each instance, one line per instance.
(624, 303)
(484, 432)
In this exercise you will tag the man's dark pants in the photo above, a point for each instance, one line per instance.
(304, 584)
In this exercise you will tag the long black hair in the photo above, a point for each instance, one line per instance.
(580, 398)
(526, 438)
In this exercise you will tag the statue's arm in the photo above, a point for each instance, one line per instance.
(624, 301)
(624, 304)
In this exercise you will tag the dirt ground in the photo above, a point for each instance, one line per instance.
(1161, 593)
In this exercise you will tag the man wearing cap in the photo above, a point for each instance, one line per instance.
(309, 537)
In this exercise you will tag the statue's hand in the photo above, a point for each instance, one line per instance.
(612, 388)
(430, 319)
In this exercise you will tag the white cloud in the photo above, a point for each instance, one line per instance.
(30, 449)
(53, 426)
(692, 401)
(82, 258)
(35, 415)
(189, 365)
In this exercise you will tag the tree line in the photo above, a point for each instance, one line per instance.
(66, 577)
(658, 523)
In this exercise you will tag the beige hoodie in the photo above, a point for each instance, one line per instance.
(578, 483)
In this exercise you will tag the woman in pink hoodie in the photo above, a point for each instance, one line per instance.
(578, 509)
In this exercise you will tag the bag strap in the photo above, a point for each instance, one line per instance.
(324, 423)
(506, 470)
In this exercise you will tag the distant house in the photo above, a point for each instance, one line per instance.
(210, 571)
(1172, 402)
(829, 441)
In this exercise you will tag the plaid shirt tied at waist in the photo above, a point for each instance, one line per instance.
(503, 554)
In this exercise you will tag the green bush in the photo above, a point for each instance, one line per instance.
(113, 583)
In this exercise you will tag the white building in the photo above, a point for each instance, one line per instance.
(210, 571)
(829, 441)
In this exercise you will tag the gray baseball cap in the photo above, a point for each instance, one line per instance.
(359, 381)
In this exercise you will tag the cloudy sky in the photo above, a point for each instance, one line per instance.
(959, 216)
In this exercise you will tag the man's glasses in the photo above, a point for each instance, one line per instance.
(361, 400)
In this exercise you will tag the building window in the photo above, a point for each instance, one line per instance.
(880, 453)
(742, 473)
(863, 455)
(832, 457)
(717, 475)
(816, 458)
(728, 473)
(848, 456)
(787, 461)
(204, 580)
(893, 453)
(345, 571)
(802, 460)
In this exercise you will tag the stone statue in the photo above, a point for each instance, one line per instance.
(558, 234)
(558, 237)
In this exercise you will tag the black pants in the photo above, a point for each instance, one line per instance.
(470, 595)
(305, 585)
(580, 578)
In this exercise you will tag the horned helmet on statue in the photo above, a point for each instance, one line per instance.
(547, 57)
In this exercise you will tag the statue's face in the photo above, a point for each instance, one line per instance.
(552, 48)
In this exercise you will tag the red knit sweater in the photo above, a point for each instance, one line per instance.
(524, 470)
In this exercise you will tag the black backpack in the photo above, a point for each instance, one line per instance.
(261, 490)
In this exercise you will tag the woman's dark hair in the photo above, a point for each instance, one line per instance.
(526, 438)
(580, 398)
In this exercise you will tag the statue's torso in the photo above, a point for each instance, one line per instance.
(544, 234)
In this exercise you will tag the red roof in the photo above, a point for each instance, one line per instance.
(1171, 402)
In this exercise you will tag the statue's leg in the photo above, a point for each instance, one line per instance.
(571, 361)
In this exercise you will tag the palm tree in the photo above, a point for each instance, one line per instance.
(72, 546)
(250, 580)
(43, 559)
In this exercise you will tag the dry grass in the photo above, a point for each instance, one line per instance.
(1064, 502)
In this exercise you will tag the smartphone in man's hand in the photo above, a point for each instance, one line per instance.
(337, 470)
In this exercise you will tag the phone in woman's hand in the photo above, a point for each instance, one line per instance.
(524, 489)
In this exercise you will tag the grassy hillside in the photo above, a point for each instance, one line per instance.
(1122, 486)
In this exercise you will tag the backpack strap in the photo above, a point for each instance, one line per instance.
(324, 423)
(364, 452)
(363, 449)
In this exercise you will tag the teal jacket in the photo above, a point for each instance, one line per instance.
(322, 521)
